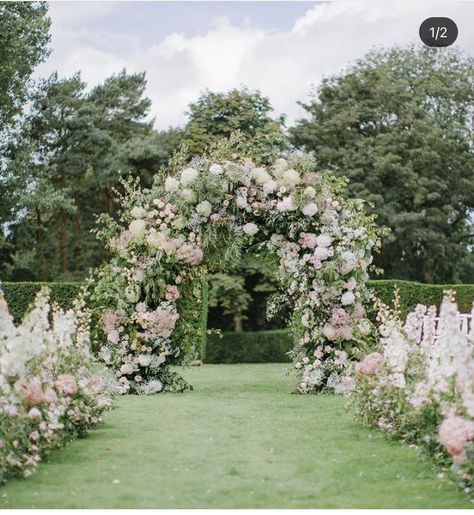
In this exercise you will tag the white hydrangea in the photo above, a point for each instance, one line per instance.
(188, 195)
(188, 176)
(156, 240)
(310, 209)
(310, 192)
(204, 208)
(279, 168)
(324, 240)
(137, 228)
(250, 229)
(144, 359)
(138, 212)
(347, 298)
(291, 178)
(348, 262)
(215, 169)
(171, 184)
(269, 187)
(260, 175)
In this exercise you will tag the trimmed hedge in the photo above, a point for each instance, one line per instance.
(412, 293)
(255, 347)
(19, 296)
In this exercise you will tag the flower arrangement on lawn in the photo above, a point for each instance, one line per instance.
(419, 384)
(51, 389)
(202, 216)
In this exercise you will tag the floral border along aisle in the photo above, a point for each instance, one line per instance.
(51, 389)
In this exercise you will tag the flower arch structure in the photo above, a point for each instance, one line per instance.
(200, 217)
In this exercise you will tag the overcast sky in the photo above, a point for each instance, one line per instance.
(281, 48)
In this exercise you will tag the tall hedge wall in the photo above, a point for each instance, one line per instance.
(20, 295)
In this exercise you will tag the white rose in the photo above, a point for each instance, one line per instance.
(204, 208)
(329, 331)
(250, 229)
(310, 209)
(188, 176)
(188, 195)
(291, 178)
(260, 175)
(348, 262)
(347, 298)
(137, 228)
(171, 184)
(323, 240)
(215, 169)
(310, 192)
(138, 212)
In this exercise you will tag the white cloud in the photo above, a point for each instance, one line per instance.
(283, 64)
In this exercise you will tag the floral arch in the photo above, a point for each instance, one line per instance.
(205, 214)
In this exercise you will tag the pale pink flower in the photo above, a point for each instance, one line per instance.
(454, 433)
(66, 384)
(171, 293)
(32, 391)
(370, 365)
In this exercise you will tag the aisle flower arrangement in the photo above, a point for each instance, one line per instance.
(202, 216)
(419, 384)
(51, 389)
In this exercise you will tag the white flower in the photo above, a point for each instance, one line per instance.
(364, 327)
(156, 240)
(348, 262)
(310, 209)
(215, 169)
(241, 202)
(132, 294)
(324, 240)
(204, 208)
(34, 413)
(347, 298)
(286, 204)
(171, 184)
(329, 332)
(137, 228)
(280, 166)
(260, 175)
(269, 186)
(138, 212)
(310, 192)
(188, 176)
(126, 369)
(291, 178)
(188, 195)
(250, 229)
(144, 360)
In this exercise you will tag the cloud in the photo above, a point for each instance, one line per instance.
(283, 64)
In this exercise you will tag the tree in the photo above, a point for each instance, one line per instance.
(72, 151)
(399, 125)
(24, 34)
(215, 116)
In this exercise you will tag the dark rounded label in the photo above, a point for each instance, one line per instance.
(438, 32)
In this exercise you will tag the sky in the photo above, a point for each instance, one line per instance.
(282, 48)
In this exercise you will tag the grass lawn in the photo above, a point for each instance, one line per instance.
(239, 440)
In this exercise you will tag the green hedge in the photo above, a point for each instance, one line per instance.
(412, 293)
(19, 296)
(255, 347)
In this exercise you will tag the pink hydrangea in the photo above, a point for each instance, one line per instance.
(171, 293)
(111, 320)
(32, 391)
(66, 384)
(370, 364)
(307, 240)
(189, 254)
(454, 433)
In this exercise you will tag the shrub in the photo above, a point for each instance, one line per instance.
(51, 390)
(413, 293)
(20, 296)
(256, 347)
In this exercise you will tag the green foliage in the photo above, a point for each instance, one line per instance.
(256, 347)
(413, 293)
(399, 125)
(215, 116)
(24, 34)
(20, 296)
